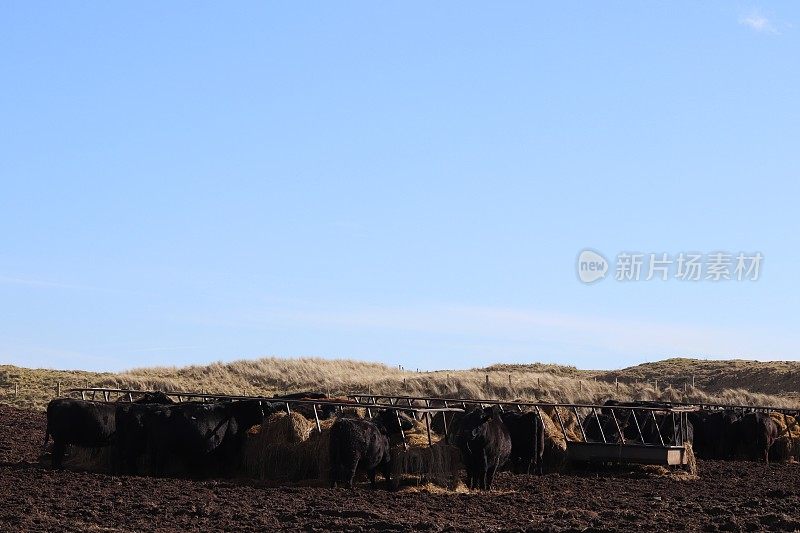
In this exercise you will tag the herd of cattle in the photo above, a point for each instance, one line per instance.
(714, 434)
(206, 439)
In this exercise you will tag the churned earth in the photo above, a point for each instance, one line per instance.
(728, 496)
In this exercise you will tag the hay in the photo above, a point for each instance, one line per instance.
(313, 457)
(438, 464)
(664, 472)
(787, 446)
(280, 455)
(691, 460)
(285, 428)
(430, 488)
(418, 435)
(98, 460)
(555, 446)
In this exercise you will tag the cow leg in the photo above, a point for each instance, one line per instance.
(59, 448)
(371, 473)
(334, 475)
(470, 475)
(387, 472)
(351, 470)
(490, 476)
(483, 468)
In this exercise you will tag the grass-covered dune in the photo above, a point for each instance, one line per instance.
(734, 381)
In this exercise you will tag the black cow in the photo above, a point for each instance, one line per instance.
(485, 445)
(640, 424)
(438, 421)
(355, 443)
(156, 397)
(714, 436)
(600, 427)
(527, 441)
(206, 438)
(131, 439)
(754, 434)
(78, 422)
(141, 432)
(664, 428)
(324, 411)
(391, 421)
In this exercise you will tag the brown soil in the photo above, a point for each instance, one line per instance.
(729, 496)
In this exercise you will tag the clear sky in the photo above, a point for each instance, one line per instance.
(185, 182)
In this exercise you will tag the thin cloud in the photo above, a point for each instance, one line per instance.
(758, 22)
(48, 284)
(28, 282)
(163, 349)
(498, 327)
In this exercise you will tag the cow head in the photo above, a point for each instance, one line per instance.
(488, 414)
(247, 413)
(156, 397)
(391, 421)
(473, 422)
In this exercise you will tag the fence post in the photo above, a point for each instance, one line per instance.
(509, 381)
(655, 384)
(16, 390)
(487, 383)
(692, 380)
(538, 382)
(580, 385)
(616, 384)
(58, 389)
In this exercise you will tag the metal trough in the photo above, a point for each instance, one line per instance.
(600, 452)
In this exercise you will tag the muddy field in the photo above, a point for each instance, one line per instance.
(729, 496)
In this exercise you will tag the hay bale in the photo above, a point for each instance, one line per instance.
(285, 428)
(787, 446)
(788, 426)
(555, 446)
(418, 435)
(571, 425)
(313, 456)
(268, 452)
(279, 454)
(438, 464)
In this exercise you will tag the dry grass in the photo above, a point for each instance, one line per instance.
(780, 378)
(737, 382)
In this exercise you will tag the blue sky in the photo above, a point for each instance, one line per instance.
(408, 183)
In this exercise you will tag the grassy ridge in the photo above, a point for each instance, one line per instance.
(740, 382)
